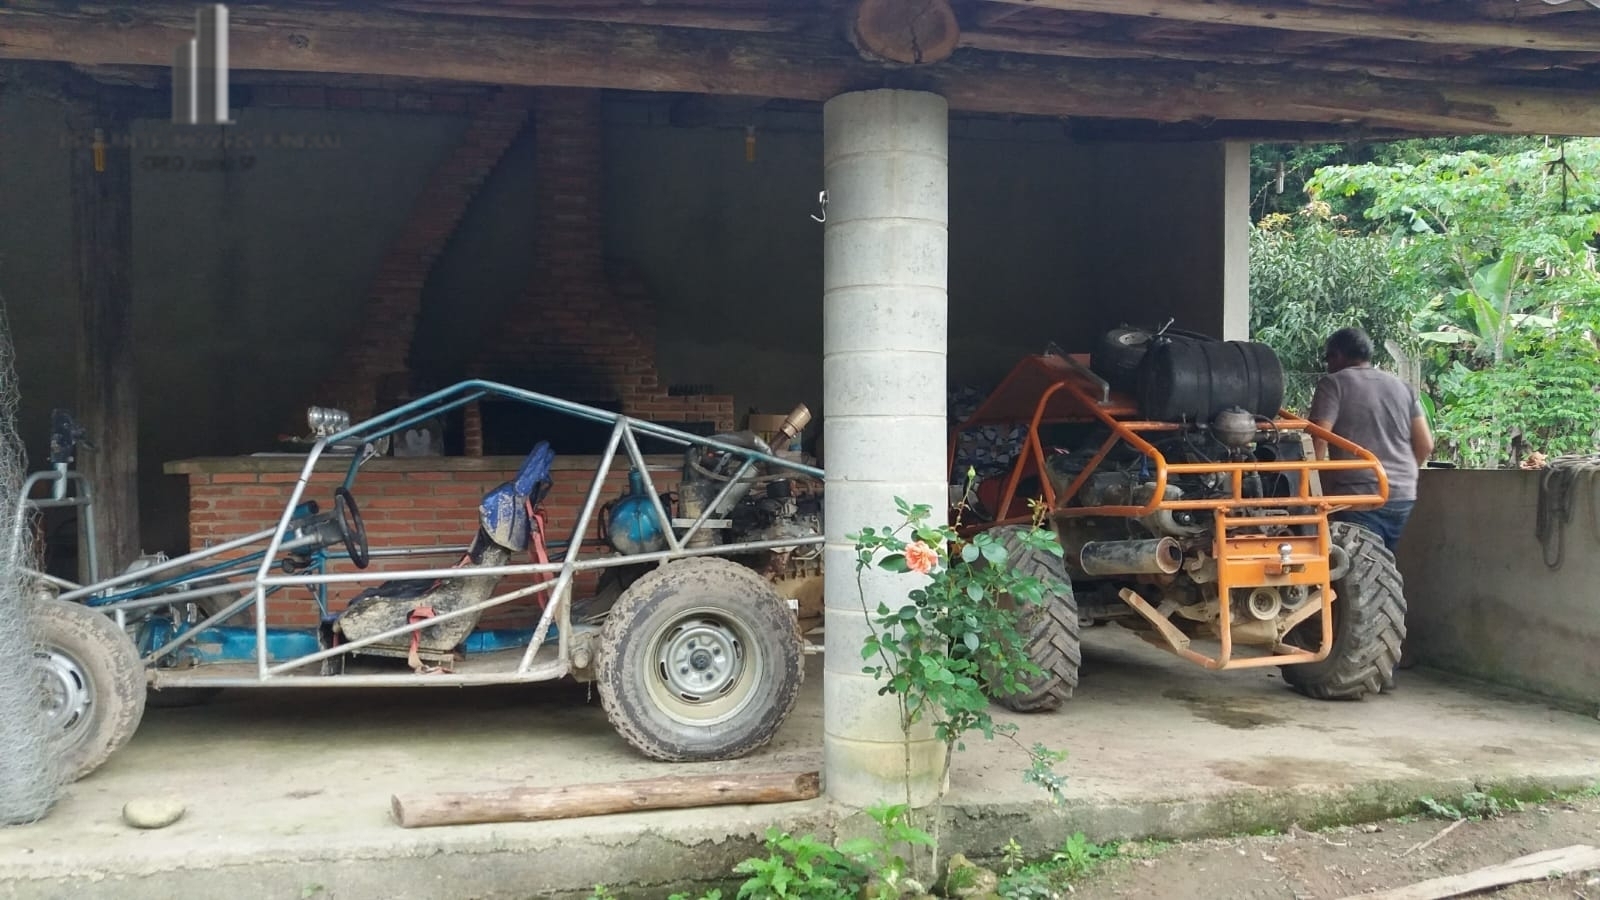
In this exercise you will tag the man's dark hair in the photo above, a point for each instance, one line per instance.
(1351, 343)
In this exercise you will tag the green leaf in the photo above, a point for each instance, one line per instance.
(894, 563)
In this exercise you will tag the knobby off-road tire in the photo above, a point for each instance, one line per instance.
(93, 684)
(1369, 624)
(699, 660)
(1050, 630)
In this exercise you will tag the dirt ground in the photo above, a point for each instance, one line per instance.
(1347, 861)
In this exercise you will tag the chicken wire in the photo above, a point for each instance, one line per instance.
(29, 779)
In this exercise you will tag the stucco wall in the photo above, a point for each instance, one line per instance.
(245, 283)
(1483, 602)
(1050, 240)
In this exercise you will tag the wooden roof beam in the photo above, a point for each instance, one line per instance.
(1545, 33)
(797, 67)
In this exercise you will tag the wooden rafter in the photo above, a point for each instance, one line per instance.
(797, 66)
(1578, 31)
(642, 14)
(1089, 48)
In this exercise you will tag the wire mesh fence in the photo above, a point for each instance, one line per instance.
(29, 780)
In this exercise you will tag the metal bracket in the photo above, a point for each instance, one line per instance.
(822, 207)
(1052, 349)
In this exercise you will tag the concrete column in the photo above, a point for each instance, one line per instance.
(885, 167)
(1235, 217)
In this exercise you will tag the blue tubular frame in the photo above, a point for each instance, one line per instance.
(263, 581)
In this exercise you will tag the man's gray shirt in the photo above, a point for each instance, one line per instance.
(1374, 410)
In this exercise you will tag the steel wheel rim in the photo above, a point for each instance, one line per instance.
(67, 694)
(705, 668)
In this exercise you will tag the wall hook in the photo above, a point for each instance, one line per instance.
(822, 207)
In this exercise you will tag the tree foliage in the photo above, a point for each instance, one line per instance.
(1490, 291)
(1311, 274)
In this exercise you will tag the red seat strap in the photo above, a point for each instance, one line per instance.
(414, 657)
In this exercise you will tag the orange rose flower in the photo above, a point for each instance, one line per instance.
(921, 558)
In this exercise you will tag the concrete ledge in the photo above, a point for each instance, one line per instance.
(287, 791)
(652, 854)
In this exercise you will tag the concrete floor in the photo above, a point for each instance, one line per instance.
(288, 791)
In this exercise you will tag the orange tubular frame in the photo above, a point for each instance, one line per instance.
(1063, 387)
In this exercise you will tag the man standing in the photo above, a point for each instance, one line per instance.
(1379, 412)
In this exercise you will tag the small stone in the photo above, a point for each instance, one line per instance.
(152, 812)
(965, 878)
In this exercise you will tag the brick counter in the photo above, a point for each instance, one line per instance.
(405, 502)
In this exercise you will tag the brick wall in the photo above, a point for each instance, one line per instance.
(381, 344)
(582, 332)
(403, 505)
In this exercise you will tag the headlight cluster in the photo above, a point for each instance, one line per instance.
(326, 420)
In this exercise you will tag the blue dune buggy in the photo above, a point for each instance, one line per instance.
(693, 640)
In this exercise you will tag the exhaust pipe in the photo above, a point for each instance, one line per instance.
(1157, 557)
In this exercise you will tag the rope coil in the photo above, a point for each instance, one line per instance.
(1558, 498)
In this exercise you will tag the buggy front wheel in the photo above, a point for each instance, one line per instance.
(1369, 623)
(699, 660)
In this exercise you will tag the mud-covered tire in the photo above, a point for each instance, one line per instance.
(699, 660)
(1050, 629)
(1369, 624)
(92, 681)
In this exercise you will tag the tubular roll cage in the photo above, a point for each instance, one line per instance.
(1065, 389)
(283, 538)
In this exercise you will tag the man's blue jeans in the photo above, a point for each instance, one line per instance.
(1387, 521)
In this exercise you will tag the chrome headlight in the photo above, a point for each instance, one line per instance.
(325, 420)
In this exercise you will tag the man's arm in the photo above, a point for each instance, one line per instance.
(1319, 447)
(1324, 411)
(1421, 439)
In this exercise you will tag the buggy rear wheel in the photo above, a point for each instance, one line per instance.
(699, 660)
(1369, 623)
(1050, 630)
(91, 682)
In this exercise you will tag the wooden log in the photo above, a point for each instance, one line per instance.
(912, 32)
(1574, 33)
(798, 67)
(101, 186)
(574, 801)
(1533, 867)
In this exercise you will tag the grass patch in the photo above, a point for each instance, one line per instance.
(1051, 878)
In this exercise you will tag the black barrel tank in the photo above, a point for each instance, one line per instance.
(1189, 380)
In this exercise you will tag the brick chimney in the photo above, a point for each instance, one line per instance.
(576, 335)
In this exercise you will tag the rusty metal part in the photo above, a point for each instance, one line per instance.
(1253, 632)
(1162, 556)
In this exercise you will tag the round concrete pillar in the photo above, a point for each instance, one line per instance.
(885, 161)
